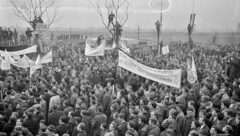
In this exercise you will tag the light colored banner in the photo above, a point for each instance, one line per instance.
(94, 51)
(167, 77)
(41, 27)
(192, 71)
(165, 49)
(4, 65)
(20, 52)
(47, 58)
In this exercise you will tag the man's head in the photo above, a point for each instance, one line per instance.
(142, 120)
(190, 112)
(121, 116)
(131, 124)
(152, 122)
(63, 119)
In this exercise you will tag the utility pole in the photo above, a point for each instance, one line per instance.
(70, 33)
(138, 32)
(160, 33)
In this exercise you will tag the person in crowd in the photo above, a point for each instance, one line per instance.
(111, 17)
(28, 35)
(15, 36)
(10, 36)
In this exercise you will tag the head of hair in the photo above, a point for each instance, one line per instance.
(220, 116)
(154, 105)
(82, 126)
(226, 103)
(153, 121)
(30, 115)
(132, 124)
(100, 109)
(64, 119)
(104, 125)
(143, 119)
(121, 115)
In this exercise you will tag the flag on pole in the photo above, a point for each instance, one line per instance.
(124, 48)
(47, 58)
(165, 49)
(94, 51)
(4, 64)
(35, 66)
(192, 20)
(192, 71)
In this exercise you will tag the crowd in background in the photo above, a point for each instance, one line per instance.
(78, 95)
(8, 37)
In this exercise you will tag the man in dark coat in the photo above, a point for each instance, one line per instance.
(122, 128)
(88, 125)
(154, 130)
(189, 119)
(234, 67)
(63, 127)
(98, 120)
(144, 128)
(54, 117)
(31, 124)
(8, 128)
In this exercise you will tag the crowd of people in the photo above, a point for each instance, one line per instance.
(78, 95)
(8, 37)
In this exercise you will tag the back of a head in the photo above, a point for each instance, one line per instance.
(121, 115)
(220, 116)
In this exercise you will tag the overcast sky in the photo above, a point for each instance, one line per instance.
(212, 15)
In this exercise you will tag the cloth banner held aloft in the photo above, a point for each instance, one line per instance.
(96, 50)
(192, 71)
(167, 77)
(20, 52)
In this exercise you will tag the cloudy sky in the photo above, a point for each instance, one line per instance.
(212, 15)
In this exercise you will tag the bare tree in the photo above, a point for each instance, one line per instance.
(120, 8)
(28, 9)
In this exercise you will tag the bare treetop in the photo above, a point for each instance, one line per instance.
(119, 7)
(27, 10)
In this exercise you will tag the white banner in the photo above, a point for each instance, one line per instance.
(94, 51)
(41, 27)
(167, 77)
(192, 71)
(4, 64)
(35, 66)
(22, 63)
(20, 52)
(165, 49)
(47, 58)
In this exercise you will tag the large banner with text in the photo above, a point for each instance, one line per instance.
(167, 77)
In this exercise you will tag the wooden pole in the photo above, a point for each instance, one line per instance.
(138, 32)
(160, 33)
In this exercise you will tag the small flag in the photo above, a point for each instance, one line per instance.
(47, 58)
(192, 71)
(36, 65)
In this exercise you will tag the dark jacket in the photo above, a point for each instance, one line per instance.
(62, 129)
(54, 117)
(187, 125)
(96, 123)
(8, 128)
(88, 124)
(143, 131)
(32, 126)
(204, 131)
(122, 128)
(154, 131)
